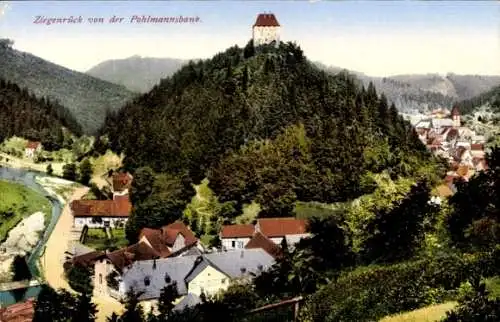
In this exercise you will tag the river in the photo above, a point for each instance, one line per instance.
(27, 178)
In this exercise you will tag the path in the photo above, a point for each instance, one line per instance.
(54, 257)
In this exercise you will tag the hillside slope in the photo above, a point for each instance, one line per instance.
(85, 96)
(22, 114)
(138, 74)
(489, 99)
(265, 123)
(426, 92)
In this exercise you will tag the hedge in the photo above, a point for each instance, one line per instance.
(370, 293)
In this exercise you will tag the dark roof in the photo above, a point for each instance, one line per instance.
(237, 231)
(88, 258)
(266, 20)
(157, 271)
(121, 181)
(120, 206)
(260, 241)
(19, 312)
(278, 227)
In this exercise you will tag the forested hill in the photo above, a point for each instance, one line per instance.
(266, 124)
(23, 114)
(138, 74)
(85, 96)
(489, 99)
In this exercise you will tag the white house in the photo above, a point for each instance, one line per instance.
(32, 148)
(193, 274)
(276, 229)
(266, 29)
(101, 213)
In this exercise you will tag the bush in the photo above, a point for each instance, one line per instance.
(475, 307)
(79, 278)
(370, 293)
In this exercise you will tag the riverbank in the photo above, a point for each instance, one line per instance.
(18, 202)
(54, 190)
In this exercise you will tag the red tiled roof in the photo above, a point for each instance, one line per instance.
(476, 147)
(237, 231)
(119, 207)
(277, 227)
(266, 20)
(163, 238)
(136, 252)
(260, 241)
(171, 231)
(32, 144)
(121, 181)
(155, 240)
(19, 312)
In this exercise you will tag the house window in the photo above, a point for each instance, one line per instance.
(146, 281)
(100, 278)
(167, 278)
(240, 244)
(233, 244)
(223, 281)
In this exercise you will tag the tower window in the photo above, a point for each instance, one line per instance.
(147, 281)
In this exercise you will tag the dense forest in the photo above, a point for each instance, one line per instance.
(490, 98)
(266, 124)
(88, 98)
(40, 119)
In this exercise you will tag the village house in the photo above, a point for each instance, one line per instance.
(101, 213)
(192, 274)
(105, 213)
(32, 148)
(447, 138)
(275, 229)
(266, 30)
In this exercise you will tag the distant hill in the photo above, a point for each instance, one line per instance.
(424, 92)
(85, 96)
(23, 114)
(489, 99)
(138, 74)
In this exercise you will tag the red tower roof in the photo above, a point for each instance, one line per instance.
(266, 20)
(455, 111)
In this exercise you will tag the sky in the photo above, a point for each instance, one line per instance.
(378, 38)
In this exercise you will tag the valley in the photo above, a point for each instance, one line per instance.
(254, 185)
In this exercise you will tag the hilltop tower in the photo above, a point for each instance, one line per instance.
(455, 116)
(266, 29)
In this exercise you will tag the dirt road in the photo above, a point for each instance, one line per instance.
(54, 257)
(58, 242)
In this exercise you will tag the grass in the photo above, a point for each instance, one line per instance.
(427, 314)
(97, 239)
(22, 201)
(493, 286)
